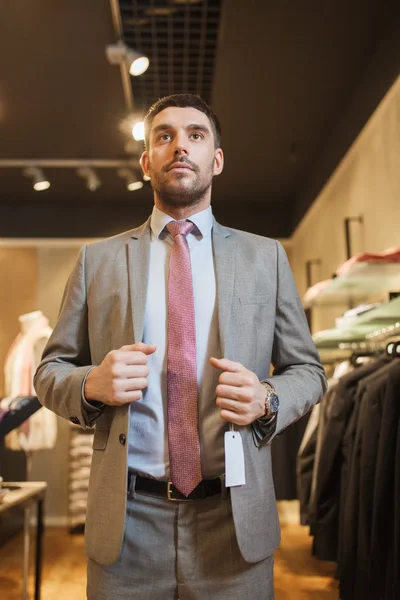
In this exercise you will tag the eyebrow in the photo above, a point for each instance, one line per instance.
(192, 126)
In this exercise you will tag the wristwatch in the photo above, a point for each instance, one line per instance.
(271, 400)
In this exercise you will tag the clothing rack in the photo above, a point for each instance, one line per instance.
(376, 343)
(349, 468)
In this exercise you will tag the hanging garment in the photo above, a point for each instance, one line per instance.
(305, 463)
(310, 448)
(372, 405)
(284, 451)
(356, 517)
(325, 503)
(39, 432)
(396, 529)
(381, 567)
(369, 388)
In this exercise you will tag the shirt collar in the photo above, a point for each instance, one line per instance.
(203, 221)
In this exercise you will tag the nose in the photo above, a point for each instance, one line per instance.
(180, 146)
(180, 150)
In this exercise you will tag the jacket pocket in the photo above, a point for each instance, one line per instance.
(253, 299)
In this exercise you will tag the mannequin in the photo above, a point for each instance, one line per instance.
(40, 430)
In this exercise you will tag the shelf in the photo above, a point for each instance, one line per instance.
(331, 338)
(361, 329)
(358, 284)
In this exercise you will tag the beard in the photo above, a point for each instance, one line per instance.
(181, 189)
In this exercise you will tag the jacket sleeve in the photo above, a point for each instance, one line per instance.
(298, 376)
(66, 359)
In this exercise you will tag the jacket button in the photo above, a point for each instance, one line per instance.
(122, 439)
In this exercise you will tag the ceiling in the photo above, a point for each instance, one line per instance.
(292, 83)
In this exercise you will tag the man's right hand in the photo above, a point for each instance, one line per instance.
(121, 377)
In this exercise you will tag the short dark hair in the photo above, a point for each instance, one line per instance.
(182, 101)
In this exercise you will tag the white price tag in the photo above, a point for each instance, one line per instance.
(234, 459)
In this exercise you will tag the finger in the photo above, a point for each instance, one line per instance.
(133, 384)
(241, 379)
(133, 357)
(240, 394)
(140, 347)
(232, 417)
(224, 364)
(124, 371)
(231, 405)
(122, 386)
(127, 398)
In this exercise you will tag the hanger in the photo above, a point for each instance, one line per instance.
(361, 354)
(393, 349)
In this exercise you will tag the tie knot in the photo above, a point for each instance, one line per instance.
(180, 227)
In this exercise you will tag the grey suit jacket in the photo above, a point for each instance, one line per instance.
(261, 320)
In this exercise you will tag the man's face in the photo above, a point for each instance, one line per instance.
(181, 159)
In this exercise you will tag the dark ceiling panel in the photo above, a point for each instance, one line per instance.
(180, 39)
(373, 82)
(59, 96)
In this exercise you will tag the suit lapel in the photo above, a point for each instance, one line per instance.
(225, 260)
(138, 262)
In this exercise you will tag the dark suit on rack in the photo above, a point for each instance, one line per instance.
(328, 495)
(372, 406)
(354, 504)
(396, 551)
(381, 567)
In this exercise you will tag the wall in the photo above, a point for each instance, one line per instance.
(367, 182)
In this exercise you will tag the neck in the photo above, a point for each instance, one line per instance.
(179, 213)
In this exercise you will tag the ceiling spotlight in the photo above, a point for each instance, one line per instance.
(160, 11)
(92, 181)
(138, 131)
(138, 63)
(40, 182)
(119, 53)
(132, 183)
(132, 186)
(146, 178)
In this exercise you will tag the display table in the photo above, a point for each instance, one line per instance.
(28, 494)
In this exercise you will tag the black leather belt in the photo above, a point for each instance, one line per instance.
(166, 489)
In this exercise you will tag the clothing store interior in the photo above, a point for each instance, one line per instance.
(308, 95)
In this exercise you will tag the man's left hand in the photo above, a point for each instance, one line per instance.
(240, 395)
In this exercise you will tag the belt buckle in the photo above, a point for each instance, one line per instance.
(170, 496)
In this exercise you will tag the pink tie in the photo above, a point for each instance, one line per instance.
(183, 434)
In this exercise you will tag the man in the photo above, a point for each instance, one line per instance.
(164, 343)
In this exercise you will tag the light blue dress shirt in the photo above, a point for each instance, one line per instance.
(148, 435)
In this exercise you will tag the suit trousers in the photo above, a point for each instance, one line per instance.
(186, 550)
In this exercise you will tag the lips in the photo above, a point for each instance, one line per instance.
(179, 166)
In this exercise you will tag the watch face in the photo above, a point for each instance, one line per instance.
(273, 403)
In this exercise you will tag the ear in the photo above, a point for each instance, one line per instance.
(218, 161)
(144, 162)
